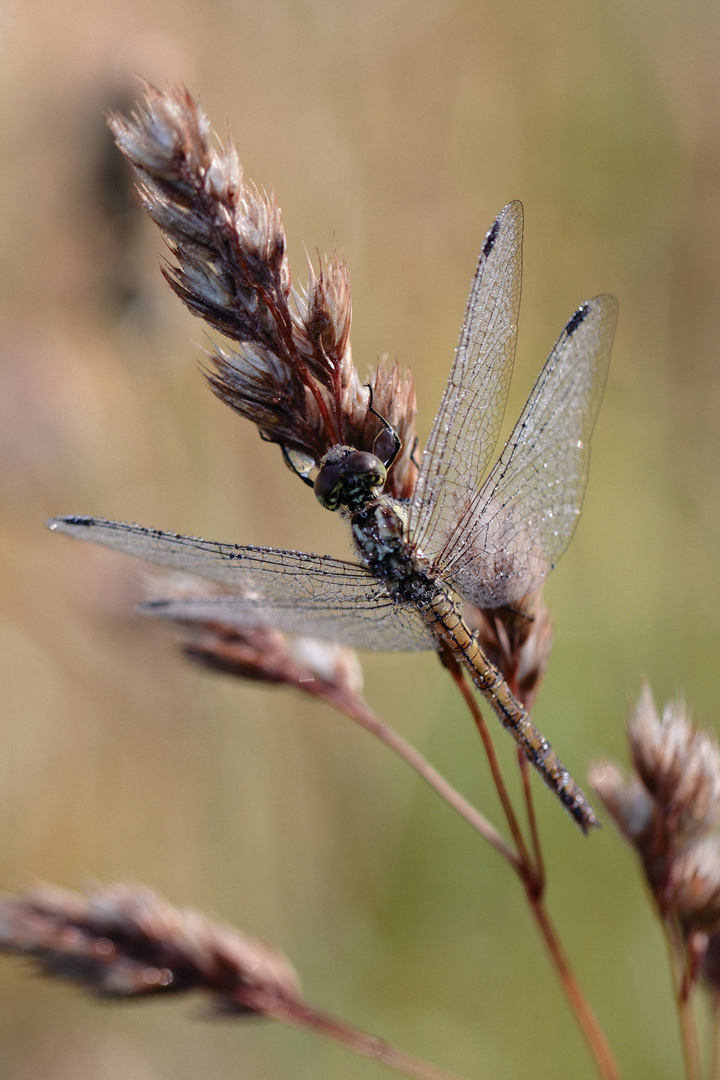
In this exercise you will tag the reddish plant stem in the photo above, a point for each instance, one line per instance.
(526, 778)
(682, 987)
(456, 672)
(714, 1066)
(356, 709)
(539, 861)
(337, 398)
(301, 1015)
(594, 1035)
(532, 875)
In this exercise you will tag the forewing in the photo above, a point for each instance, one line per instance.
(466, 428)
(314, 595)
(509, 538)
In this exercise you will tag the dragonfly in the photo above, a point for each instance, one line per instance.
(463, 536)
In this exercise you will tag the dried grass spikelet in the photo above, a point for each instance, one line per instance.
(290, 367)
(679, 765)
(669, 810)
(626, 799)
(212, 639)
(695, 884)
(323, 313)
(125, 941)
(268, 655)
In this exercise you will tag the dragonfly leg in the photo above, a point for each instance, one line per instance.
(388, 429)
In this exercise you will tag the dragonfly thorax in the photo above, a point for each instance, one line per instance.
(378, 529)
(348, 478)
(351, 481)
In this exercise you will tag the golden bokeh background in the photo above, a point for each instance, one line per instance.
(396, 130)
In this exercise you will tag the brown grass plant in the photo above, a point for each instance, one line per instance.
(287, 367)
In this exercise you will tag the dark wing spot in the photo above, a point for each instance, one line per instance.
(491, 238)
(74, 519)
(577, 319)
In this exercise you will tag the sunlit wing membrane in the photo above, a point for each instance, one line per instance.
(467, 426)
(509, 537)
(372, 623)
(315, 595)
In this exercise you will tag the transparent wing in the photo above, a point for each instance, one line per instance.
(314, 595)
(510, 536)
(381, 625)
(466, 428)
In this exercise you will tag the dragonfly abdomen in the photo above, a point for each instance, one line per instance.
(450, 628)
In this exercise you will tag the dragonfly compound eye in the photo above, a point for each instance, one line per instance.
(347, 477)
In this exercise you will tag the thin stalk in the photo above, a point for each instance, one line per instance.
(471, 702)
(356, 709)
(683, 1000)
(532, 876)
(530, 873)
(714, 1069)
(538, 860)
(594, 1035)
(526, 778)
(301, 1015)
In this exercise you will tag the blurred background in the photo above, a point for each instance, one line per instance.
(396, 130)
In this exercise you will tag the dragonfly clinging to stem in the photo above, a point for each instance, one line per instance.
(463, 536)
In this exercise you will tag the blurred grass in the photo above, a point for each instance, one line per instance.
(397, 131)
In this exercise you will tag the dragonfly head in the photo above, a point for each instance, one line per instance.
(348, 478)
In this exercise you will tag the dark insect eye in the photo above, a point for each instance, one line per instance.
(328, 483)
(362, 463)
(350, 480)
